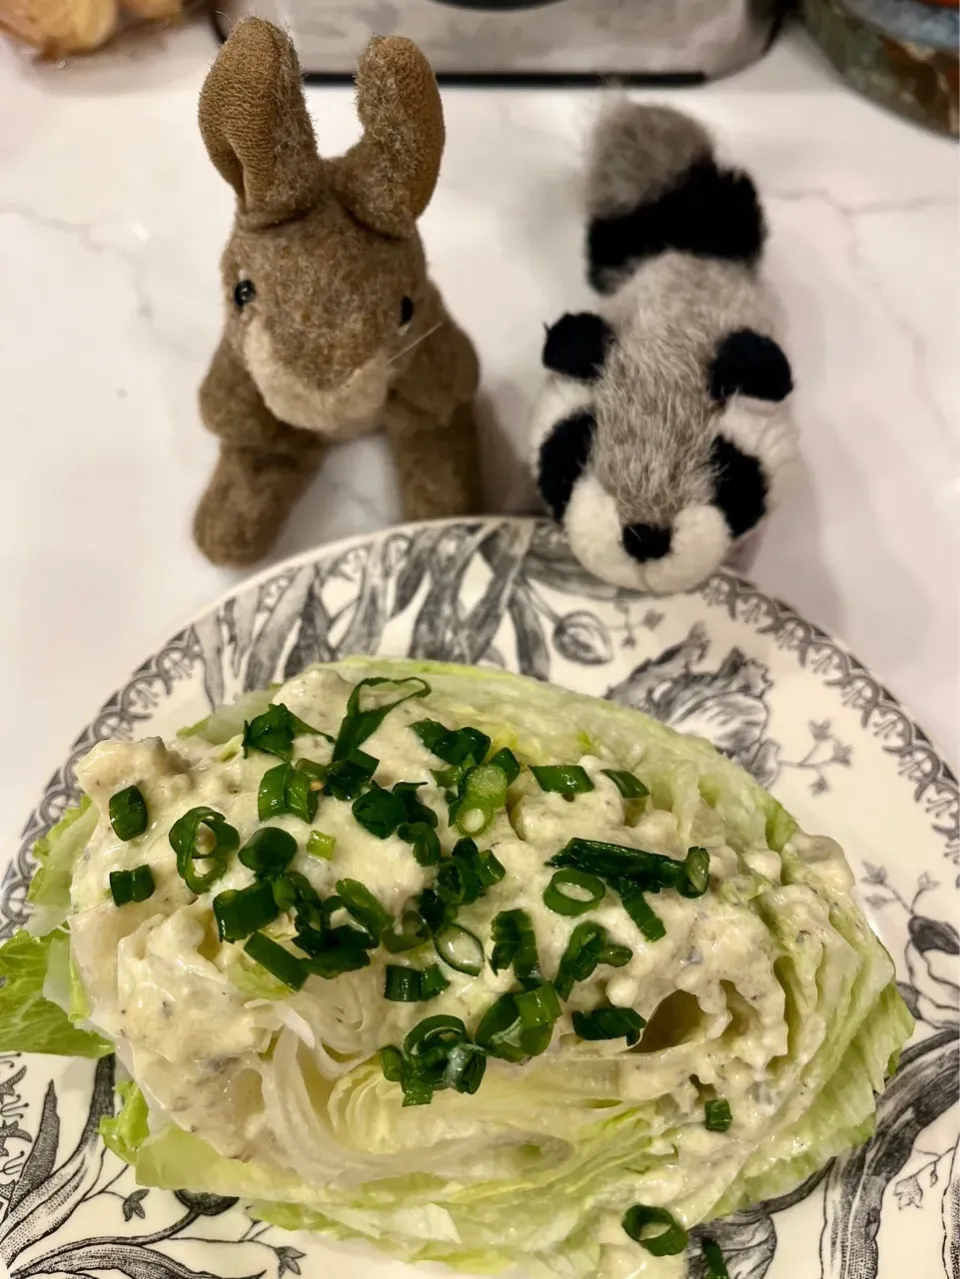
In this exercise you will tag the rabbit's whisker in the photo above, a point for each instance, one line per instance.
(416, 342)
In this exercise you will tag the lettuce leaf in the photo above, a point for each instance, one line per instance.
(29, 1022)
(57, 853)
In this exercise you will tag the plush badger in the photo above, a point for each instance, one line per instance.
(661, 437)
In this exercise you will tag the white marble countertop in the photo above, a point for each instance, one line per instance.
(111, 223)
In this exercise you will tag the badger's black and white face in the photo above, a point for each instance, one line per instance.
(654, 483)
(661, 436)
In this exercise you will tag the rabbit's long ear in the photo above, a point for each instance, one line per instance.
(254, 123)
(387, 179)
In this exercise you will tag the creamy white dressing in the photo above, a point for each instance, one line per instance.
(287, 1082)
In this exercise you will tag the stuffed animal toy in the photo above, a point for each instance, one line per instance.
(661, 437)
(332, 325)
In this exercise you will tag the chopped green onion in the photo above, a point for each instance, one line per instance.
(539, 1006)
(514, 942)
(640, 911)
(459, 949)
(668, 1242)
(465, 1068)
(358, 900)
(185, 834)
(379, 811)
(336, 959)
(402, 985)
(649, 871)
(360, 722)
(321, 845)
(134, 885)
(588, 946)
(609, 1023)
(431, 732)
(453, 746)
(508, 764)
(565, 903)
(434, 911)
(410, 985)
(563, 779)
(717, 1115)
(285, 789)
(696, 866)
(128, 813)
(442, 1031)
(268, 851)
(482, 792)
(413, 932)
(391, 1063)
(417, 1089)
(467, 873)
(277, 960)
(424, 841)
(713, 1257)
(414, 810)
(301, 795)
(346, 778)
(294, 890)
(242, 911)
(273, 732)
(630, 787)
(501, 1032)
(316, 772)
(434, 983)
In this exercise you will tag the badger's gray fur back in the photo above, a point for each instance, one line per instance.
(642, 436)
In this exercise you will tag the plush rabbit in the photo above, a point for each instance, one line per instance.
(332, 325)
(662, 437)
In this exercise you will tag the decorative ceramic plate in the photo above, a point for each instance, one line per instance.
(727, 662)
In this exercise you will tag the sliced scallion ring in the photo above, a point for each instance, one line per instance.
(242, 911)
(185, 838)
(402, 985)
(630, 787)
(277, 960)
(508, 764)
(567, 780)
(358, 900)
(268, 851)
(391, 1063)
(425, 845)
(717, 1115)
(459, 949)
(539, 1006)
(134, 885)
(609, 1023)
(127, 811)
(379, 811)
(713, 1258)
(274, 731)
(321, 845)
(668, 1242)
(641, 912)
(413, 932)
(465, 1068)
(573, 892)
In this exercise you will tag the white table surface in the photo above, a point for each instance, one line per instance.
(111, 223)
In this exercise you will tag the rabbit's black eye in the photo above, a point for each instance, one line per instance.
(406, 311)
(244, 293)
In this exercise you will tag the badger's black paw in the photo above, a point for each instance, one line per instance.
(739, 486)
(749, 364)
(563, 456)
(577, 346)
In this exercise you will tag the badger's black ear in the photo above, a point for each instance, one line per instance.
(563, 456)
(748, 363)
(739, 486)
(577, 346)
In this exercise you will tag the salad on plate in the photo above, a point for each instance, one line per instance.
(477, 969)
